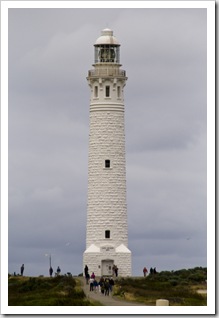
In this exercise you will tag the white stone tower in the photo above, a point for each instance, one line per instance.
(107, 230)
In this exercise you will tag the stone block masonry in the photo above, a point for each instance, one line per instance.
(107, 230)
(107, 186)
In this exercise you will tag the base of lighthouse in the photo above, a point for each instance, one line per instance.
(100, 260)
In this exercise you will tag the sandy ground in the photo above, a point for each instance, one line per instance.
(202, 291)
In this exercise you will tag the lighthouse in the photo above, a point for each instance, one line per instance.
(107, 228)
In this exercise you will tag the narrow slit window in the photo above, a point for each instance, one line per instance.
(118, 92)
(107, 234)
(95, 91)
(107, 91)
(107, 163)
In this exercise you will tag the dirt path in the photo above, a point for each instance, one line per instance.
(104, 300)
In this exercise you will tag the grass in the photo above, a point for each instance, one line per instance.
(40, 291)
(179, 287)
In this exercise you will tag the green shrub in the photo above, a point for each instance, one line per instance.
(56, 291)
(184, 283)
(173, 282)
(173, 285)
(196, 277)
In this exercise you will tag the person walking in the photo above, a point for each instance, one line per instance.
(86, 270)
(22, 269)
(116, 271)
(106, 286)
(91, 284)
(145, 271)
(111, 284)
(87, 278)
(93, 275)
(101, 285)
(95, 285)
(50, 271)
(58, 270)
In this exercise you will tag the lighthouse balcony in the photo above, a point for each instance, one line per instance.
(106, 72)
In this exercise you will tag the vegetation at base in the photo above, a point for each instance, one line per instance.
(45, 291)
(179, 287)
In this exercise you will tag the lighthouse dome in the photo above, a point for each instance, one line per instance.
(107, 38)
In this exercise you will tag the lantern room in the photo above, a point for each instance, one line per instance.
(106, 48)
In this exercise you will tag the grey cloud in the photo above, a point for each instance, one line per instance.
(164, 54)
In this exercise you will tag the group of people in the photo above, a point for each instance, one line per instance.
(152, 271)
(104, 285)
(58, 271)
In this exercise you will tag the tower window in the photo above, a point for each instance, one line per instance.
(107, 163)
(95, 91)
(107, 234)
(107, 91)
(118, 91)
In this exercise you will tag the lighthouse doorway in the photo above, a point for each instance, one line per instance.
(107, 267)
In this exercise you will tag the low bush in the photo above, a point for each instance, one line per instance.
(56, 291)
(176, 286)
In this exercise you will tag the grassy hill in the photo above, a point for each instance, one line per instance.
(179, 287)
(45, 291)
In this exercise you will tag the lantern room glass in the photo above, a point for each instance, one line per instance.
(106, 53)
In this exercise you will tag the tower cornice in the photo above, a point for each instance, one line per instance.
(107, 72)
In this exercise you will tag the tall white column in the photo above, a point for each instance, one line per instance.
(107, 230)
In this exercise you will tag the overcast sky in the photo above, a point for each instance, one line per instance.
(164, 52)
